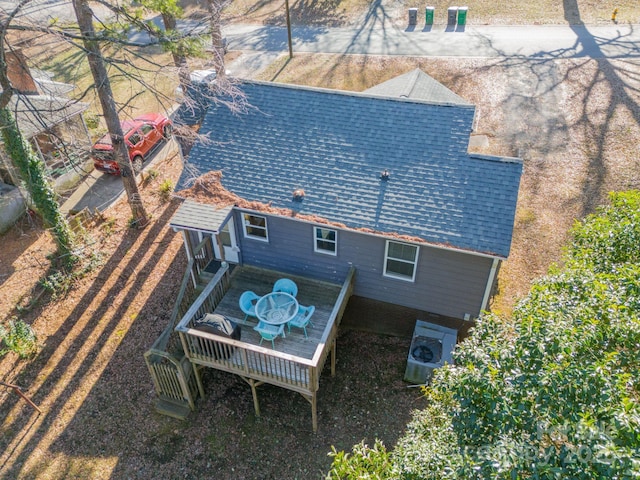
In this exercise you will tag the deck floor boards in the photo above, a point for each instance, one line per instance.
(322, 295)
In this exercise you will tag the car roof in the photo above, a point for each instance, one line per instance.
(202, 76)
(128, 125)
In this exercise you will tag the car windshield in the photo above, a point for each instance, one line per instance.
(106, 138)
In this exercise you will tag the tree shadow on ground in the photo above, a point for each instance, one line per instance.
(566, 113)
(21, 236)
(537, 130)
(320, 13)
(58, 371)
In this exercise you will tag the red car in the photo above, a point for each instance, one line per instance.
(142, 135)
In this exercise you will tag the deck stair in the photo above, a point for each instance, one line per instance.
(172, 408)
(172, 373)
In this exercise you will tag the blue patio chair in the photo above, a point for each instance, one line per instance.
(302, 319)
(269, 332)
(285, 285)
(248, 304)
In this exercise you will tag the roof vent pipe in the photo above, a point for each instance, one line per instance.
(385, 174)
(298, 194)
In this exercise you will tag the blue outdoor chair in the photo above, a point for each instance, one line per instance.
(248, 304)
(285, 285)
(302, 319)
(269, 332)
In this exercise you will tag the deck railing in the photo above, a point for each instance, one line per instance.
(202, 255)
(256, 364)
(171, 371)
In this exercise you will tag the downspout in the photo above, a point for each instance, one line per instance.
(490, 280)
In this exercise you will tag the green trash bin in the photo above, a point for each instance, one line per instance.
(428, 15)
(462, 15)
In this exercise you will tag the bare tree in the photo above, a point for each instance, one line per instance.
(217, 46)
(84, 14)
(180, 50)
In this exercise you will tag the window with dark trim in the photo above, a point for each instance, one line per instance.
(400, 260)
(325, 240)
(255, 226)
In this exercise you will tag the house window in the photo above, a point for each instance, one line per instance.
(255, 226)
(400, 260)
(325, 240)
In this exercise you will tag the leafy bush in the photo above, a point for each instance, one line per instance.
(366, 463)
(165, 190)
(551, 393)
(92, 121)
(19, 338)
(58, 283)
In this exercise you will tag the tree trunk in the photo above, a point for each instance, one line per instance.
(33, 174)
(179, 60)
(215, 13)
(84, 14)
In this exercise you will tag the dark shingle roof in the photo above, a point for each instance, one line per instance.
(335, 144)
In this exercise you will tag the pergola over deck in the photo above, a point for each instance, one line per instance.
(296, 362)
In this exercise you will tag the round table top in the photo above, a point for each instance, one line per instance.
(276, 308)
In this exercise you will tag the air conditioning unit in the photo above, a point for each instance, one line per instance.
(431, 347)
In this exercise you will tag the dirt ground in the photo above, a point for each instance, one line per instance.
(334, 13)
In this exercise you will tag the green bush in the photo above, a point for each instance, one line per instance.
(165, 190)
(365, 463)
(553, 391)
(58, 283)
(19, 337)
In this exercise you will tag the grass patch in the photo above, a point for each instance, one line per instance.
(363, 14)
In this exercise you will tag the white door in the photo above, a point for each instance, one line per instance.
(229, 243)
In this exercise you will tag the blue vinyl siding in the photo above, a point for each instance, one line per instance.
(447, 282)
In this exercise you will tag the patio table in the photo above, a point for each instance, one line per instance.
(276, 308)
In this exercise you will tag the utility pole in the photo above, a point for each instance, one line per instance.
(286, 6)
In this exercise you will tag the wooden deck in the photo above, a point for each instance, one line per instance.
(322, 295)
(295, 363)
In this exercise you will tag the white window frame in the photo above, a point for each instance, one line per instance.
(245, 223)
(317, 249)
(414, 262)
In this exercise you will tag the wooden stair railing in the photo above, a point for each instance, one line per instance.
(172, 373)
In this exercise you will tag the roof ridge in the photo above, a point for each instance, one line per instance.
(411, 83)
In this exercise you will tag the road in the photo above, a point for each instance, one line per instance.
(45, 11)
(380, 37)
(531, 41)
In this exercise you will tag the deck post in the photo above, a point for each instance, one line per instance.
(314, 411)
(333, 358)
(254, 392)
(196, 372)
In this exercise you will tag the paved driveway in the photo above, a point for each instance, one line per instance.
(101, 190)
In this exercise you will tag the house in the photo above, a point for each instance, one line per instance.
(367, 201)
(50, 120)
(313, 181)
